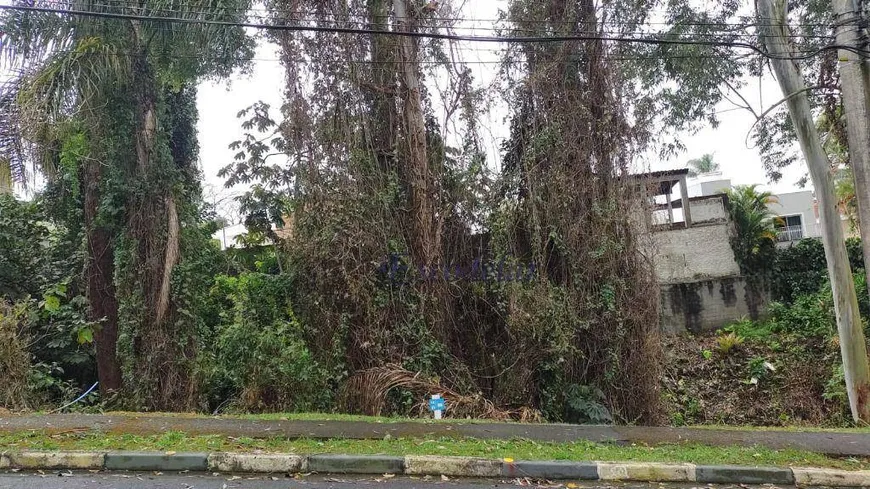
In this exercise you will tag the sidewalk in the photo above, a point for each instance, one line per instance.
(839, 444)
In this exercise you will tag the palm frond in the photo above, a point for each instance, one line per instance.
(35, 104)
(12, 152)
(31, 37)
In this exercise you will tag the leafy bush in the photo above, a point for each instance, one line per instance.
(801, 269)
(809, 316)
(585, 404)
(749, 329)
(22, 255)
(261, 361)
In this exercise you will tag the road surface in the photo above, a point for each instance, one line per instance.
(118, 480)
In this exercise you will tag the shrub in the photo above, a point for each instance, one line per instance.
(809, 316)
(749, 329)
(801, 269)
(585, 404)
(261, 361)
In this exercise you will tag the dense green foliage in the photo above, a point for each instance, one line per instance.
(259, 358)
(21, 241)
(801, 269)
(110, 271)
(754, 241)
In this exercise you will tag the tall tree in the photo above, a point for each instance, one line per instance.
(773, 19)
(568, 207)
(854, 71)
(426, 240)
(112, 83)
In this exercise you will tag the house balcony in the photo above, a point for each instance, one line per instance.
(789, 233)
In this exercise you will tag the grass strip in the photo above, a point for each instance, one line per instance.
(515, 449)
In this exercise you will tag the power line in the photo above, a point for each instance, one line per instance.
(318, 13)
(268, 15)
(429, 62)
(431, 35)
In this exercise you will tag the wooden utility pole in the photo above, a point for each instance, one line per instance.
(855, 87)
(854, 351)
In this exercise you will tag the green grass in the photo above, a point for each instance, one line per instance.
(516, 449)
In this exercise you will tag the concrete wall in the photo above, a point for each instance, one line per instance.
(701, 286)
(699, 252)
(706, 210)
(708, 305)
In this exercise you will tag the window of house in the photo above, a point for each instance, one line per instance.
(789, 228)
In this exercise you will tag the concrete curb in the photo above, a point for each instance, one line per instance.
(740, 474)
(156, 461)
(431, 465)
(646, 471)
(455, 466)
(257, 462)
(356, 464)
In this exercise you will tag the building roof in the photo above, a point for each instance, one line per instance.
(666, 179)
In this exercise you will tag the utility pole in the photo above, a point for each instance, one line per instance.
(773, 23)
(855, 87)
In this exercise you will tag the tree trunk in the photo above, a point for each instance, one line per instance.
(855, 81)
(160, 368)
(852, 345)
(100, 289)
(425, 243)
(382, 127)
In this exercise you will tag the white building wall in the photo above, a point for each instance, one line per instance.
(708, 184)
(798, 203)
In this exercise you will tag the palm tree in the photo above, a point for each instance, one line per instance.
(755, 240)
(111, 85)
(704, 164)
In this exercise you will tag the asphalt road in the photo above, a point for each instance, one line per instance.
(109, 480)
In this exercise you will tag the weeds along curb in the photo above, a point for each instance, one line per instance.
(429, 465)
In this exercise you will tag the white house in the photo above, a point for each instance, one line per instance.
(796, 211)
(797, 217)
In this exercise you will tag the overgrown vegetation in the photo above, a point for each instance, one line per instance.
(779, 370)
(109, 273)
